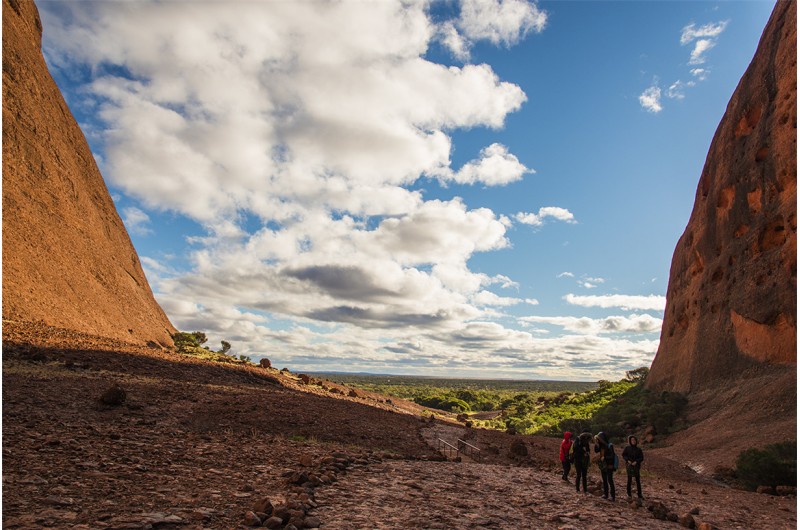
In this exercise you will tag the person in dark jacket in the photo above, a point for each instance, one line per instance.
(604, 446)
(581, 455)
(564, 454)
(633, 457)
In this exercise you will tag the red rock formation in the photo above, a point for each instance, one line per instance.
(731, 302)
(67, 259)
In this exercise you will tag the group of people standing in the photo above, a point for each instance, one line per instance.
(578, 451)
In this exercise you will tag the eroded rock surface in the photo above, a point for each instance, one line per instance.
(731, 302)
(67, 258)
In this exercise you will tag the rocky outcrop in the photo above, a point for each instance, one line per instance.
(67, 259)
(731, 302)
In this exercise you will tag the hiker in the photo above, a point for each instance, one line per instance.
(606, 463)
(564, 455)
(581, 455)
(633, 457)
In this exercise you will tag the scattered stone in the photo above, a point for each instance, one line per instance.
(767, 490)
(251, 519)
(114, 396)
(273, 522)
(706, 526)
(305, 379)
(59, 501)
(672, 516)
(306, 460)
(659, 510)
(354, 393)
(313, 522)
(265, 363)
(686, 520)
(695, 511)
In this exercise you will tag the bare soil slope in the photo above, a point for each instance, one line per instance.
(755, 410)
(67, 259)
(199, 445)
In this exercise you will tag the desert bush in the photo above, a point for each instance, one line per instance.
(183, 339)
(774, 465)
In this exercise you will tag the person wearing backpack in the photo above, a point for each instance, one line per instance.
(633, 457)
(565, 456)
(607, 463)
(581, 456)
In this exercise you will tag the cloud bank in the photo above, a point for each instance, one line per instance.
(292, 133)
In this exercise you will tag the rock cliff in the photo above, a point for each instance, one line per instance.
(732, 296)
(67, 259)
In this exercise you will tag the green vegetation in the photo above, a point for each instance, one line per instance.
(774, 465)
(540, 407)
(458, 395)
(616, 408)
(192, 344)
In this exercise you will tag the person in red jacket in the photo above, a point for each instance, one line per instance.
(564, 454)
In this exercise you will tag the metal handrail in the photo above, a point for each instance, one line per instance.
(463, 448)
(447, 448)
(468, 449)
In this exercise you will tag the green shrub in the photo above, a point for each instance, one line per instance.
(774, 465)
(183, 339)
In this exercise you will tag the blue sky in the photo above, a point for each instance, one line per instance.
(472, 189)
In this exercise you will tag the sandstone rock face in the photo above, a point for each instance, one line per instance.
(731, 301)
(67, 258)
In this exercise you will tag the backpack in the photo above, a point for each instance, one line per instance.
(610, 457)
(579, 453)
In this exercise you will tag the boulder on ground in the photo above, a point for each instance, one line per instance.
(686, 520)
(659, 510)
(114, 396)
(263, 506)
(518, 448)
(265, 363)
(251, 519)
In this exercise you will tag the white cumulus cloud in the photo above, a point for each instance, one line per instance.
(711, 30)
(538, 219)
(613, 324)
(503, 22)
(495, 167)
(628, 302)
(650, 99)
(700, 48)
(136, 221)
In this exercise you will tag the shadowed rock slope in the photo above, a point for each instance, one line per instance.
(731, 302)
(67, 259)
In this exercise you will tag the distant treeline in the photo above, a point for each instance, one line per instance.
(458, 395)
(539, 407)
